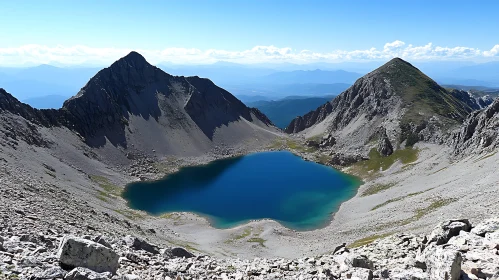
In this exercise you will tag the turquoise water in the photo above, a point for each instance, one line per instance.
(298, 194)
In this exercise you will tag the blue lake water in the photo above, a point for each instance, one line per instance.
(298, 194)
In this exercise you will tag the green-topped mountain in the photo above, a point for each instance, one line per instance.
(392, 105)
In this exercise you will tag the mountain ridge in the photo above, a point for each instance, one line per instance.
(397, 97)
(133, 91)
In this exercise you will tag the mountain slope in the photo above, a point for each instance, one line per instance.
(134, 105)
(480, 131)
(396, 97)
(281, 112)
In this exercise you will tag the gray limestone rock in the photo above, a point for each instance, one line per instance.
(177, 253)
(487, 226)
(77, 252)
(443, 264)
(81, 273)
(445, 230)
(50, 273)
(140, 244)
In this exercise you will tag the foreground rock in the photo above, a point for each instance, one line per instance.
(77, 252)
(453, 250)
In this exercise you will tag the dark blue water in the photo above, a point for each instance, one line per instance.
(277, 185)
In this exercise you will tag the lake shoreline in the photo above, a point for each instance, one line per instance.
(345, 192)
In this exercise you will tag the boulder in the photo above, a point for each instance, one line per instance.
(359, 274)
(466, 238)
(50, 273)
(312, 143)
(445, 230)
(81, 273)
(327, 141)
(492, 240)
(102, 241)
(385, 147)
(404, 274)
(443, 264)
(486, 226)
(140, 244)
(361, 262)
(77, 252)
(177, 253)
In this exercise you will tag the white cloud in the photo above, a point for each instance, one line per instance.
(38, 54)
(493, 52)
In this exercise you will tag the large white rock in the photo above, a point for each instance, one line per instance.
(486, 226)
(77, 252)
(443, 264)
(445, 230)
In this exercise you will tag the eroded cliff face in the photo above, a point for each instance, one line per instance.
(479, 132)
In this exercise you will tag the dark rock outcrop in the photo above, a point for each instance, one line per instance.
(385, 147)
(479, 132)
(327, 141)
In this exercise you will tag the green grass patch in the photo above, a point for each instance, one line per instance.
(110, 190)
(440, 202)
(377, 188)
(485, 156)
(323, 159)
(247, 232)
(316, 138)
(244, 234)
(258, 240)
(376, 162)
(291, 144)
(130, 214)
(367, 240)
(189, 246)
(419, 213)
(171, 216)
(397, 199)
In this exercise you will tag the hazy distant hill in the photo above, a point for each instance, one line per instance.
(282, 112)
(46, 102)
(279, 91)
(44, 80)
(315, 76)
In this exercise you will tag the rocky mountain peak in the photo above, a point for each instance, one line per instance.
(132, 60)
(396, 97)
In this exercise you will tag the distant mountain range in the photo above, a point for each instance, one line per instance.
(45, 86)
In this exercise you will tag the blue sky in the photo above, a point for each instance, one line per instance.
(286, 30)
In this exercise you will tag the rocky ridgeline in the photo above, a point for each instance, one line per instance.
(479, 132)
(453, 250)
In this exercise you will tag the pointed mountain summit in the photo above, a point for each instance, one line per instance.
(135, 104)
(396, 102)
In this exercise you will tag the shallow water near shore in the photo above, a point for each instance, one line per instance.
(281, 186)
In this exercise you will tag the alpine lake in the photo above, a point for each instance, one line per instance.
(281, 186)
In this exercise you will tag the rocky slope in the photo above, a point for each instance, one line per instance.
(479, 132)
(134, 104)
(396, 97)
(30, 250)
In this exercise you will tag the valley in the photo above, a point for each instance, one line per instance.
(426, 154)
